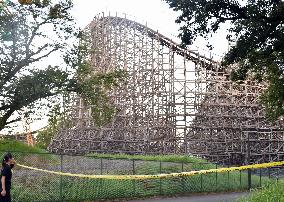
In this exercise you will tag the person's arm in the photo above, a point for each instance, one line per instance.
(3, 192)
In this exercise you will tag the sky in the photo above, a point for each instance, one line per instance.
(157, 15)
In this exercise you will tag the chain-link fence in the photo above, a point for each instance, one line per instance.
(31, 185)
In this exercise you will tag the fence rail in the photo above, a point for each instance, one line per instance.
(31, 185)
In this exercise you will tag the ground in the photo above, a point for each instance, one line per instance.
(223, 197)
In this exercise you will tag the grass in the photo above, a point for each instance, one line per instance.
(163, 158)
(37, 186)
(10, 145)
(77, 189)
(271, 193)
(26, 154)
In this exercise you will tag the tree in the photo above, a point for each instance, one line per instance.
(55, 120)
(257, 29)
(30, 33)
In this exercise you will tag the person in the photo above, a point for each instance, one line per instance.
(6, 177)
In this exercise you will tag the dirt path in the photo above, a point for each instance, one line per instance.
(224, 197)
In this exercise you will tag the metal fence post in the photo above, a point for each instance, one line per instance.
(249, 179)
(101, 171)
(134, 181)
(133, 166)
(101, 166)
(260, 175)
(182, 178)
(277, 179)
(248, 161)
(216, 177)
(201, 181)
(240, 179)
(61, 180)
(160, 178)
(229, 185)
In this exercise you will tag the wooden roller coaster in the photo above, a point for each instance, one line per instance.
(175, 101)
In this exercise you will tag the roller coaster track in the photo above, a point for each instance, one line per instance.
(175, 101)
(165, 41)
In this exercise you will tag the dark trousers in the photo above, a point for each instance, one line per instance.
(6, 198)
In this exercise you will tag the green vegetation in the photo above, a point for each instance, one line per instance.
(38, 186)
(78, 189)
(163, 158)
(271, 193)
(256, 33)
(23, 153)
(25, 83)
(11, 145)
(55, 120)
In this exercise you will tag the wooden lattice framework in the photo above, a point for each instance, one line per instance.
(175, 101)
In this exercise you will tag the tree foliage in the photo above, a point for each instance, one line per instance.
(32, 33)
(257, 29)
(55, 118)
(93, 86)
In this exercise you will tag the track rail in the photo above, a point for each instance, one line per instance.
(165, 41)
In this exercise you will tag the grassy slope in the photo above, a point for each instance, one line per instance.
(26, 154)
(271, 193)
(10, 145)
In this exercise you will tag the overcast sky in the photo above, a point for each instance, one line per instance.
(156, 13)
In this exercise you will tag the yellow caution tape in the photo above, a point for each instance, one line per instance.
(158, 176)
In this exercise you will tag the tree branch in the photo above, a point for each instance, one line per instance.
(45, 55)
(13, 121)
(24, 63)
(29, 42)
